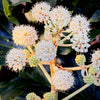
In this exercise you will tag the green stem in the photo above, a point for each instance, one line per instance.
(45, 73)
(5, 46)
(76, 92)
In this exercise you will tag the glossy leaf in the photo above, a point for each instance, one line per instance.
(94, 33)
(95, 17)
(52, 2)
(64, 50)
(8, 13)
(18, 2)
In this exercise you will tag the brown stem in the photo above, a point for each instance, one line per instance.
(53, 90)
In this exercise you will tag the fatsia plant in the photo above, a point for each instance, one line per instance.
(59, 26)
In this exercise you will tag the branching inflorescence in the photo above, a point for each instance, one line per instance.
(59, 26)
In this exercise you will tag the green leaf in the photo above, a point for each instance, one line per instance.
(95, 17)
(13, 20)
(19, 98)
(5, 7)
(18, 2)
(0, 67)
(94, 33)
(64, 50)
(52, 2)
(8, 14)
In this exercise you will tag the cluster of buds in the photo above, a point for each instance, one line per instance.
(59, 26)
(90, 73)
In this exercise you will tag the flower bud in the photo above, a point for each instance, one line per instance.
(32, 96)
(33, 61)
(89, 79)
(48, 96)
(80, 59)
(92, 70)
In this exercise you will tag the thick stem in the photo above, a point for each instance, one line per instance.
(76, 92)
(30, 49)
(64, 45)
(45, 72)
(53, 90)
(74, 68)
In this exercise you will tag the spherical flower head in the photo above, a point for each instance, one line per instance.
(62, 80)
(79, 23)
(45, 51)
(89, 79)
(27, 53)
(24, 35)
(80, 42)
(33, 61)
(48, 96)
(60, 16)
(96, 59)
(16, 59)
(80, 59)
(92, 70)
(32, 96)
(40, 11)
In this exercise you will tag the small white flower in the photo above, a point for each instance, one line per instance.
(24, 35)
(62, 80)
(45, 51)
(40, 11)
(60, 15)
(96, 59)
(80, 42)
(16, 59)
(79, 24)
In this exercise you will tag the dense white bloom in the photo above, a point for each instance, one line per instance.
(79, 24)
(16, 59)
(80, 42)
(96, 59)
(62, 80)
(24, 35)
(60, 16)
(45, 51)
(40, 11)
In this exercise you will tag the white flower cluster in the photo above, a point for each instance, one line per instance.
(24, 35)
(15, 59)
(80, 42)
(40, 11)
(62, 80)
(59, 18)
(79, 24)
(96, 59)
(45, 51)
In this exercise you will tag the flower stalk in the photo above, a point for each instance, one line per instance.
(64, 45)
(53, 90)
(76, 92)
(45, 72)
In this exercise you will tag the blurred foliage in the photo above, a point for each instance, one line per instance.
(95, 17)
(32, 79)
